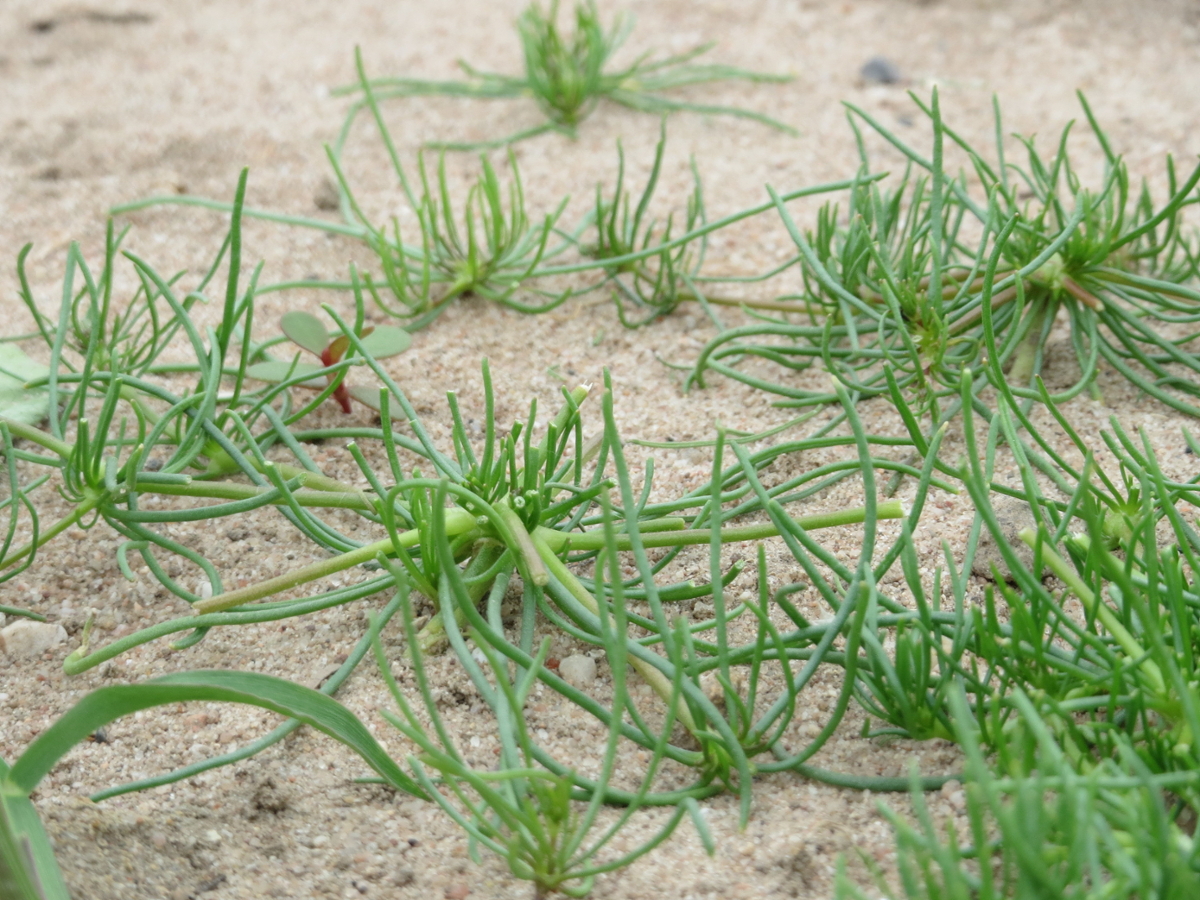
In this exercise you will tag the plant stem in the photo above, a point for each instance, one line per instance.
(594, 540)
(228, 490)
(458, 520)
(81, 510)
(1099, 609)
(30, 433)
(659, 682)
(1021, 370)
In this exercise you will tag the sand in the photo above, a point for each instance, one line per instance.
(102, 104)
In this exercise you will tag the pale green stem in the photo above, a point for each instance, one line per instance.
(594, 540)
(457, 521)
(30, 433)
(1067, 574)
(654, 677)
(220, 463)
(228, 490)
(1021, 371)
(84, 507)
(524, 548)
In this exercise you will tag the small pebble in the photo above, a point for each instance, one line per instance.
(879, 70)
(404, 877)
(578, 670)
(28, 638)
(952, 793)
(457, 891)
(196, 721)
(326, 196)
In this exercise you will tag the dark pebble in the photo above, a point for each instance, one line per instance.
(880, 70)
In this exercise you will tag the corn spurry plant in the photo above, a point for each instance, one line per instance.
(508, 520)
(659, 282)
(537, 817)
(1124, 663)
(1052, 831)
(132, 435)
(491, 255)
(1110, 656)
(491, 247)
(942, 272)
(467, 521)
(928, 292)
(568, 75)
(1084, 695)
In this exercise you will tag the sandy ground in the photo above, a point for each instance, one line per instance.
(102, 104)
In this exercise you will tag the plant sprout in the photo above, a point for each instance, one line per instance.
(568, 75)
(307, 332)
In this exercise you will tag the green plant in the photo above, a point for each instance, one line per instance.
(460, 535)
(1126, 668)
(492, 248)
(1083, 698)
(926, 280)
(493, 254)
(1122, 666)
(307, 332)
(110, 398)
(656, 283)
(28, 870)
(931, 293)
(567, 76)
(1050, 832)
(536, 817)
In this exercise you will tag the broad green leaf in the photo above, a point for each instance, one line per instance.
(17, 402)
(386, 340)
(102, 706)
(305, 330)
(28, 870)
(278, 370)
(367, 396)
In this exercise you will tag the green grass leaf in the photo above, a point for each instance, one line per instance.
(292, 700)
(27, 867)
(28, 870)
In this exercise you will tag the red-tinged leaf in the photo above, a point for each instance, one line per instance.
(336, 350)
